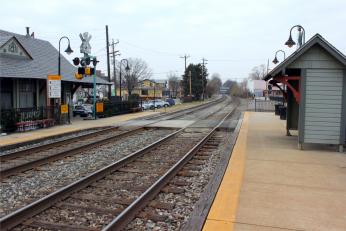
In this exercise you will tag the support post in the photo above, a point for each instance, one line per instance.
(108, 64)
(190, 83)
(94, 94)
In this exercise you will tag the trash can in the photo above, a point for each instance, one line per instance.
(282, 110)
(277, 112)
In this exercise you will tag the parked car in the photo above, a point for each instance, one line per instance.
(82, 110)
(160, 103)
(170, 101)
(146, 105)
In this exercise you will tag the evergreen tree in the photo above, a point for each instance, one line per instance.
(197, 82)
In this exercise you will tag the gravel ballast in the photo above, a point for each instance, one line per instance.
(18, 191)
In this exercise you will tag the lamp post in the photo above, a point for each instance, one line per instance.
(127, 68)
(275, 60)
(68, 51)
(301, 37)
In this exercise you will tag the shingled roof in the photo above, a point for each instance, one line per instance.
(316, 39)
(44, 61)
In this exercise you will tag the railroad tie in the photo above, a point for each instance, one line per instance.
(172, 189)
(152, 216)
(88, 208)
(57, 226)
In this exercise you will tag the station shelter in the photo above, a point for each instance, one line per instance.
(315, 78)
(25, 63)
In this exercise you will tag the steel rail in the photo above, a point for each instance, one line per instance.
(56, 156)
(26, 151)
(29, 165)
(17, 217)
(130, 212)
(187, 110)
(15, 154)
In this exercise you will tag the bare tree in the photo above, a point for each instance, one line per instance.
(173, 84)
(258, 72)
(139, 70)
(213, 86)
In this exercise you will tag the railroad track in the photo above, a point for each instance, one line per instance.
(16, 162)
(119, 190)
(180, 113)
(23, 160)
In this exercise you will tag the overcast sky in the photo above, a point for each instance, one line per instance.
(233, 35)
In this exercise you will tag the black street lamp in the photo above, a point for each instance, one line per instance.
(68, 51)
(275, 61)
(301, 37)
(127, 69)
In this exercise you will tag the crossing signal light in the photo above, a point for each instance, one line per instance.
(87, 61)
(76, 61)
(95, 61)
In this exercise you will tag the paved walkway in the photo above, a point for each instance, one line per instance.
(271, 185)
(79, 124)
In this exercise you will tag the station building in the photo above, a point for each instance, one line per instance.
(315, 77)
(25, 63)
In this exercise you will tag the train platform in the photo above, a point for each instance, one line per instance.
(271, 185)
(78, 124)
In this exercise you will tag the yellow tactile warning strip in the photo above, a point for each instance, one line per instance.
(223, 211)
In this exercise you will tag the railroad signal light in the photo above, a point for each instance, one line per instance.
(95, 61)
(76, 61)
(87, 61)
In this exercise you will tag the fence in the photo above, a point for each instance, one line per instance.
(117, 108)
(262, 105)
(24, 119)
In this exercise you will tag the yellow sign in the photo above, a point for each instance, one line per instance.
(64, 108)
(99, 107)
(54, 77)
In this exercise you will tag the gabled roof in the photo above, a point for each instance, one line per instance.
(9, 38)
(44, 61)
(316, 39)
(4, 39)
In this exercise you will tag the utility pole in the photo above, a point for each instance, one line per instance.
(185, 57)
(190, 83)
(114, 53)
(203, 63)
(108, 64)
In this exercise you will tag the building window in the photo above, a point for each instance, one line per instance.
(144, 92)
(26, 93)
